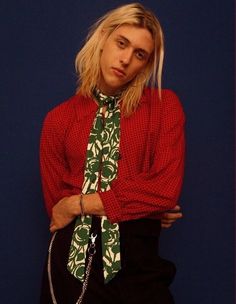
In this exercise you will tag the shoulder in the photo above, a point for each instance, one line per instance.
(166, 95)
(59, 117)
(167, 103)
(63, 111)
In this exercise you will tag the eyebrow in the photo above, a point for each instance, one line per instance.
(139, 49)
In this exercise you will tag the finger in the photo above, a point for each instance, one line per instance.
(170, 219)
(53, 228)
(51, 222)
(173, 216)
(167, 222)
(166, 225)
(177, 208)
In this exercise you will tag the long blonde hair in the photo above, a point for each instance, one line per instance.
(87, 61)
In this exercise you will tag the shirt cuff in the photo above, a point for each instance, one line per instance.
(111, 206)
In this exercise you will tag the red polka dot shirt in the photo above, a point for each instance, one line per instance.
(151, 162)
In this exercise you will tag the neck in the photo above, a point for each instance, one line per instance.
(98, 91)
(108, 92)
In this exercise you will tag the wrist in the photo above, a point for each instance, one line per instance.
(92, 204)
(75, 205)
(81, 204)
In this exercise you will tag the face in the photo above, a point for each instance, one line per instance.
(124, 55)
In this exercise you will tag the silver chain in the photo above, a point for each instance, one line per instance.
(49, 269)
(91, 252)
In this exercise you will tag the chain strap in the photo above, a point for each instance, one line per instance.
(91, 252)
(50, 270)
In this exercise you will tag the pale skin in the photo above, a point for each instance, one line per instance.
(125, 54)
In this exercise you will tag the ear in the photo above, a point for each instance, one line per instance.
(102, 33)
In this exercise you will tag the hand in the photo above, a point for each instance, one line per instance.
(64, 212)
(169, 217)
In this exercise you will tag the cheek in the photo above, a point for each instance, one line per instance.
(102, 58)
(105, 59)
(103, 63)
(137, 68)
(107, 52)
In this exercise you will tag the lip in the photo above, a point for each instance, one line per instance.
(118, 72)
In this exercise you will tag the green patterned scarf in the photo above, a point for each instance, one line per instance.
(101, 167)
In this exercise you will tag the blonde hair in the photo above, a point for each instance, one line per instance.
(87, 61)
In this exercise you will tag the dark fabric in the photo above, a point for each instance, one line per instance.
(144, 277)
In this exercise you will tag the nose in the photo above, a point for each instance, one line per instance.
(126, 56)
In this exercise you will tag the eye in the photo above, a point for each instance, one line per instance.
(140, 55)
(121, 43)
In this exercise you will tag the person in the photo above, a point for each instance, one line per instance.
(112, 162)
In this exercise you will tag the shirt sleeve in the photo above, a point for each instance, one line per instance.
(52, 161)
(151, 193)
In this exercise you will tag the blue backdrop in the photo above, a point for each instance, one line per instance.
(39, 40)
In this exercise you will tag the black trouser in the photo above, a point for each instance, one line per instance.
(144, 277)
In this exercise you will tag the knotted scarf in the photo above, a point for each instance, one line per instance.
(100, 170)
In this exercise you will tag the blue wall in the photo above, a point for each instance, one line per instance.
(39, 40)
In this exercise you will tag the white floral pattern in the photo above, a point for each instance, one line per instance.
(101, 166)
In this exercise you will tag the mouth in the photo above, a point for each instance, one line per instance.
(118, 72)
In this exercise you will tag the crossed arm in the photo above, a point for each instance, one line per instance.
(149, 193)
(65, 211)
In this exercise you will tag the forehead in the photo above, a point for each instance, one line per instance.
(138, 37)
